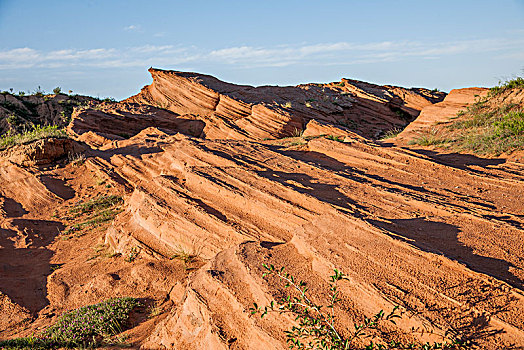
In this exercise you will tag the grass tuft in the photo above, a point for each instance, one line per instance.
(391, 133)
(335, 138)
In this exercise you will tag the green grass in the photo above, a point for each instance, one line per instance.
(486, 127)
(335, 138)
(97, 204)
(430, 138)
(89, 326)
(37, 133)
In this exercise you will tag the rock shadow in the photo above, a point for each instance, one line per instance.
(459, 161)
(25, 262)
(442, 238)
(306, 184)
(57, 187)
(12, 208)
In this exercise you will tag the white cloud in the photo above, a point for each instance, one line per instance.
(337, 53)
(132, 27)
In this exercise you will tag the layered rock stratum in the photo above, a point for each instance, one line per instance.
(217, 172)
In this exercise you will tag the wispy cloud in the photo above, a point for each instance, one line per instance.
(132, 27)
(337, 53)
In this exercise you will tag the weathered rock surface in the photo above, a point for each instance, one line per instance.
(42, 152)
(113, 121)
(349, 205)
(441, 237)
(243, 112)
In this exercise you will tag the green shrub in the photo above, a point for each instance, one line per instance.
(37, 133)
(88, 326)
(516, 83)
(511, 124)
(317, 328)
(57, 90)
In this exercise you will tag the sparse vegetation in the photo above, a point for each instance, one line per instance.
(428, 139)
(97, 204)
(37, 133)
(186, 256)
(89, 326)
(317, 324)
(335, 138)
(99, 210)
(133, 254)
(515, 83)
(57, 90)
(485, 127)
(298, 132)
(391, 133)
(76, 159)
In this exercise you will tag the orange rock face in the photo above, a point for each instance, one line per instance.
(246, 112)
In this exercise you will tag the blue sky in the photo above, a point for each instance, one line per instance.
(103, 48)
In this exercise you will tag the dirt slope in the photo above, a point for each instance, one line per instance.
(442, 112)
(440, 235)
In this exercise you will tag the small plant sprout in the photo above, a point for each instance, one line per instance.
(335, 138)
(133, 254)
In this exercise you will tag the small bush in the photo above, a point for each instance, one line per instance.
(57, 90)
(88, 326)
(37, 133)
(516, 83)
(99, 320)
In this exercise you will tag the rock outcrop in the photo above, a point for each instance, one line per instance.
(42, 152)
(208, 192)
(246, 112)
(19, 113)
(349, 205)
(113, 121)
